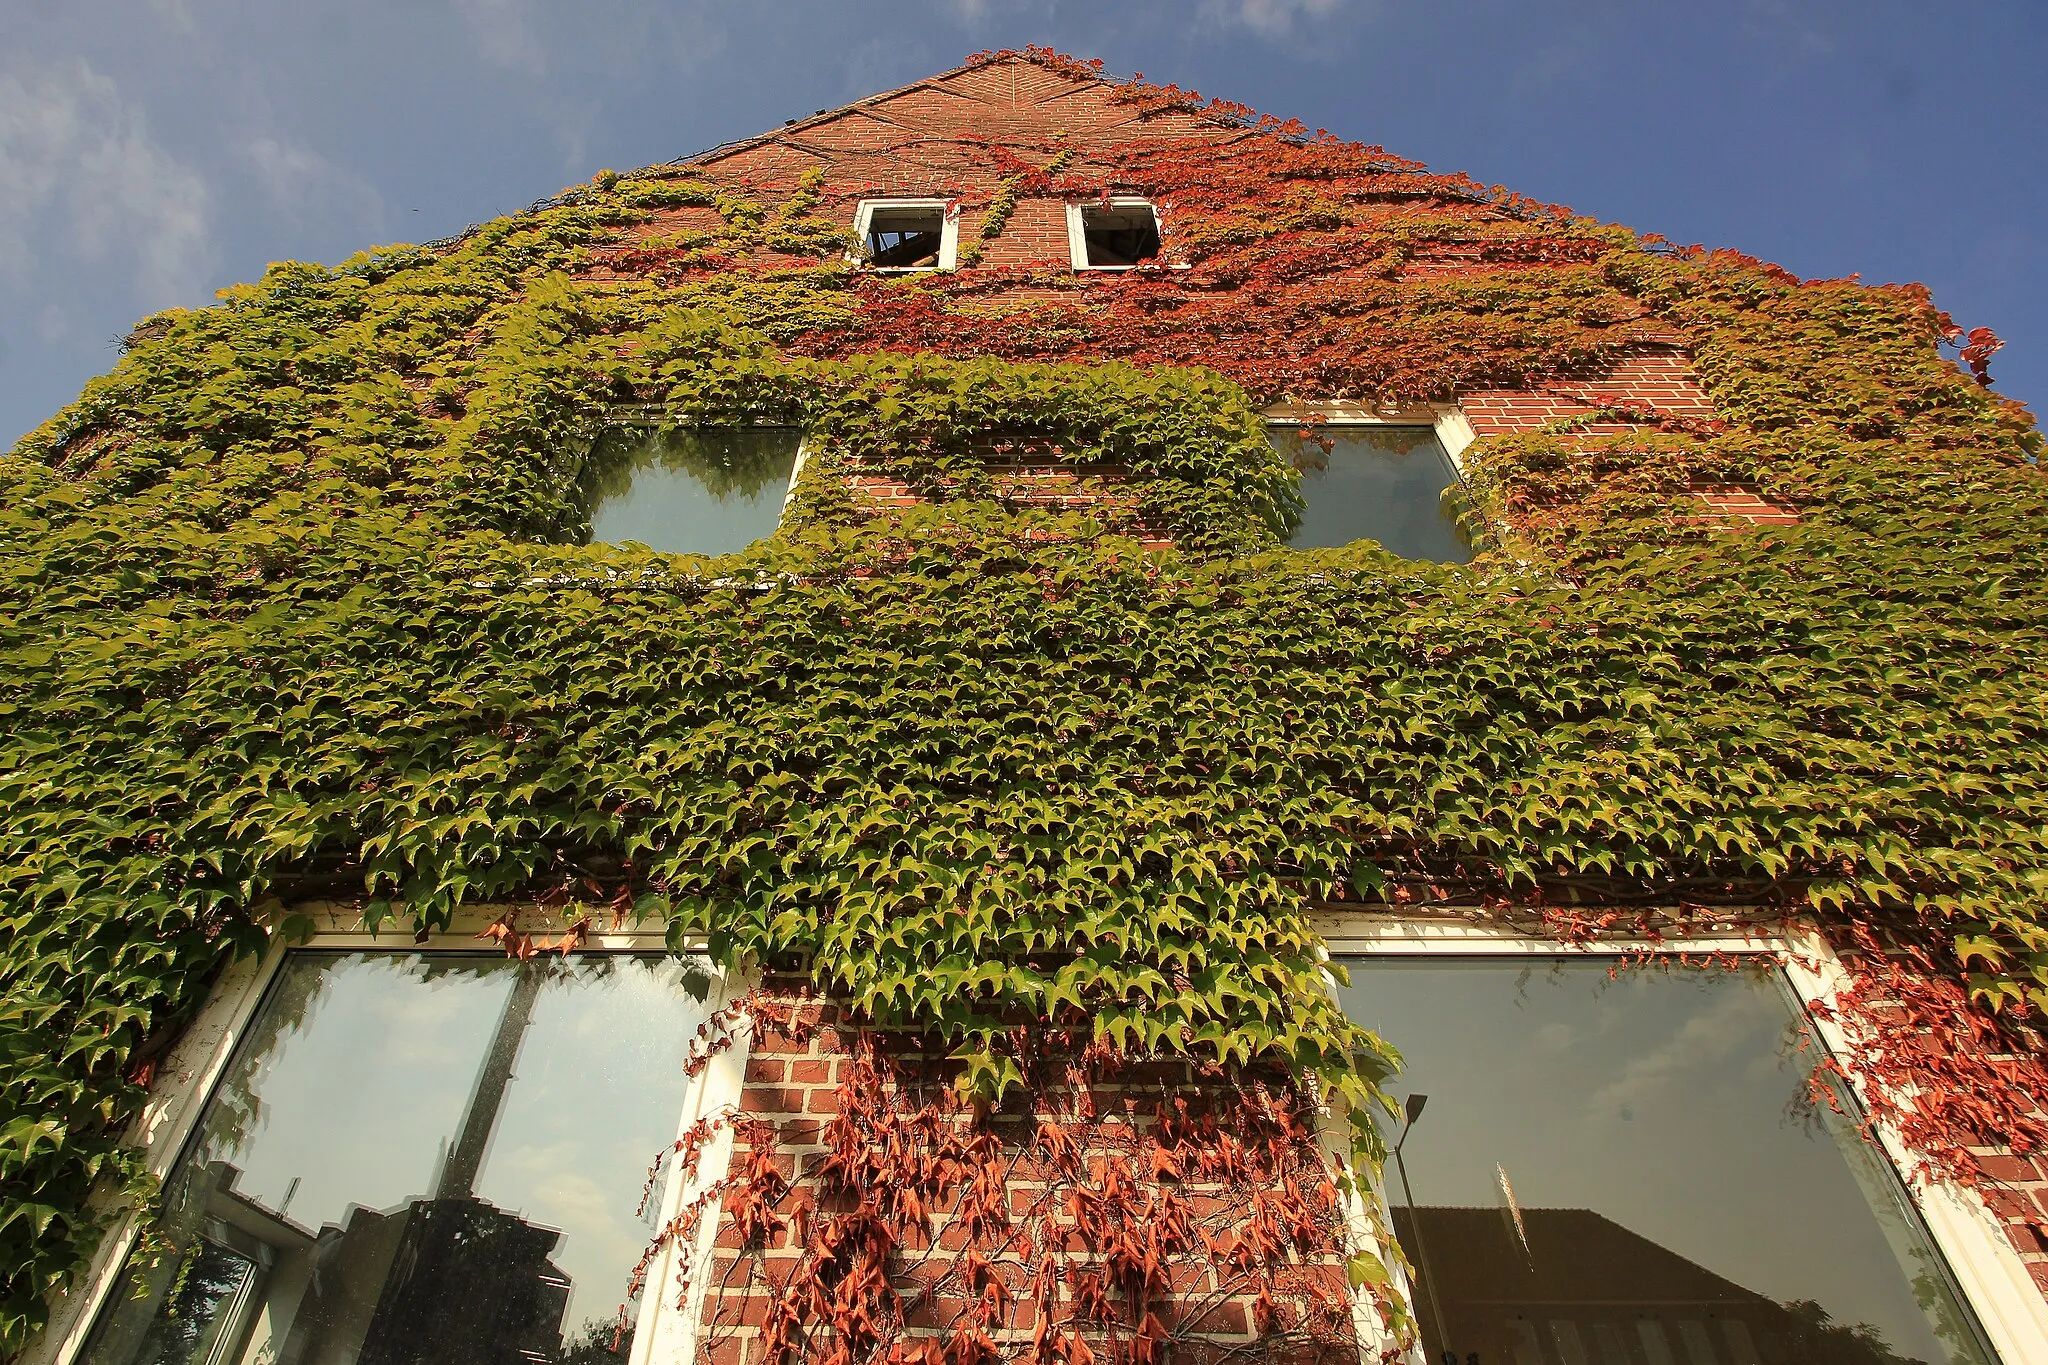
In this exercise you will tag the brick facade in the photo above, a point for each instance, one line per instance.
(1192, 1216)
(1658, 379)
(1149, 1129)
(1651, 380)
(956, 137)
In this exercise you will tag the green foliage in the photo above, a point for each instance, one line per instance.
(290, 608)
(1004, 203)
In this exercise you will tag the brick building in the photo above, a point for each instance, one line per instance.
(1629, 1127)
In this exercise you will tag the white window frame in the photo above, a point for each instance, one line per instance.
(1077, 232)
(796, 471)
(663, 1334)
(1453, 429)
(1987, 1269)
(949, 234)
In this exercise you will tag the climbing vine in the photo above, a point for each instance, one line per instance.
(294, 604)
(1159, 1206)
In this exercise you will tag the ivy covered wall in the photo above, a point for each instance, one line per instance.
(292, 606)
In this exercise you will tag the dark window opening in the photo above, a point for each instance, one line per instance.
(905, 239)
(1637, 1169)
(1376, 483)
(707, 492)
(1121, 235)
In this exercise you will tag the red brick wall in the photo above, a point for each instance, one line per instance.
(1035, 235)
(1212, 1310)
(2016, 1188)
(1972, 1089)
(1655, 381)
(1659, 379)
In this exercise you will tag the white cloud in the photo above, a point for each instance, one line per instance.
(307, 188)
(1695, 1057)
(54, 325)
(81, 176)
(176, 15)
(504, 33)
(1269, 18)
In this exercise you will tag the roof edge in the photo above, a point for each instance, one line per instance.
(1059, 63)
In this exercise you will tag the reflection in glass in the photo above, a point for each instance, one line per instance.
(706, 492)
(1120, 234)
(905, 238)
(1375, 483)
(416, 1159)
(1629, 1171)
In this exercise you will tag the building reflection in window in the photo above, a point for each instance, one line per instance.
(710, 491)
(417, 1158)
(1629, 1171)
(1395, 485)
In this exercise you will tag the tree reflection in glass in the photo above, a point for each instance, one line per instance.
(1391, 484)
(417, 1158)
(1629, 1171)
(703, 491)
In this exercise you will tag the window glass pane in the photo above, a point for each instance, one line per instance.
(418, 1158)
(1629, 1170)
(1375, 483)
(905, 239)
(688, 492)
(1123, 235)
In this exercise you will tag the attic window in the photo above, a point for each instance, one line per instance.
(906, 234)
(1115, 235)
(703, 491)
(1375, 482)
(1642, 1168)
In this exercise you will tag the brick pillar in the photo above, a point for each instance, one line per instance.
(1145, 1213)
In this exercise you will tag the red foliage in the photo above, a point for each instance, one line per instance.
(505, 933)
(899, 1242)
(1945, 1077)
(1978, 345)
(1292, 261)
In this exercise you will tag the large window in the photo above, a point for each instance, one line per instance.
(1640, 1169)
(419, 1157)
(1375, 482)
(704, 491)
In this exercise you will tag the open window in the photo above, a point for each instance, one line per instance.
(428, 1155)
(1375, 481)
(691, 491)
(1116, 235)
(1600, 1163)
(907, 234)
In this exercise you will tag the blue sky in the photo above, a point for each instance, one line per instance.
(152, 151)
